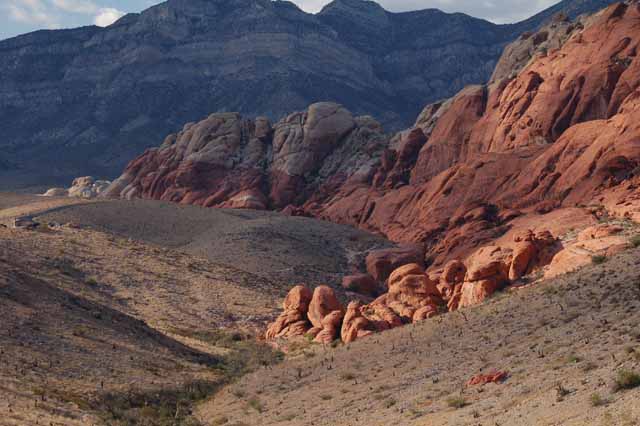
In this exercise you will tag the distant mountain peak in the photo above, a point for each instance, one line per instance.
(359, 5)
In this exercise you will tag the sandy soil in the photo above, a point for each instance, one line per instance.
(126, 309)
(282, 249)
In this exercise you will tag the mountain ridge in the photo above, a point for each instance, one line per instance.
(86, 101)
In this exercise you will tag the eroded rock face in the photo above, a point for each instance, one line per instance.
(229, 161)
(323, 303)
(293, 321)
(355, 325)
(83, 187)
(381, 263)
(558, 133)
(155, 71)
(597, 241)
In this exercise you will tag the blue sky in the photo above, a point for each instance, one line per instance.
(21, 16)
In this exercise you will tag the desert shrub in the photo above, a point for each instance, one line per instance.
(635, 241)
(598, 259)
(168, 407)
(457, 402)
(574, 359)
(597, 400)
(256, 404)
(347, 376)
(626, 379)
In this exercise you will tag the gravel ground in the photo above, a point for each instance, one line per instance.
(280, 248)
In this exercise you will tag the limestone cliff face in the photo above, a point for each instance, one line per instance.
(530, 150)
(85, 101)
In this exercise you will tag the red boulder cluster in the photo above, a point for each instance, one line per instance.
(412, 294)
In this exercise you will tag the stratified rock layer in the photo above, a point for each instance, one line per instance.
(86, 100)
(528, 151)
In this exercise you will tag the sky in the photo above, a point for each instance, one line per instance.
(22, 16)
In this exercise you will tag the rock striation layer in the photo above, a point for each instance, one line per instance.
(86, 100)
(528, 151)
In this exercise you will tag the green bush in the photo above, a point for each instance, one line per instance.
(597, 400)
(626, 380)
(457, 402)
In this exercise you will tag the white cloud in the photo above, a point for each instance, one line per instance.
(77, 6)
(30, 12)
(107, 16)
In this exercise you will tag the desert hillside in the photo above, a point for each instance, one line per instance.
(479, 268)
(106, 320)
(562, 345)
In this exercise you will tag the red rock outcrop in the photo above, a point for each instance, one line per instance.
(600, 240)
(355, 325)
(556, 130)
(381, 263)
(561, 133)
(485, 379)
(293, 321)
(361, 283)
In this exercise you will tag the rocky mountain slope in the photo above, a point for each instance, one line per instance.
(551, 354)
(548, 146)
(102, 328)
(85, 101)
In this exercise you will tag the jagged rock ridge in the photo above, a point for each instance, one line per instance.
(531, 151)
(85, 101)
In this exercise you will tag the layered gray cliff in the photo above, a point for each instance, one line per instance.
(85, 101)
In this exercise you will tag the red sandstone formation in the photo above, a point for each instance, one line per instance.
(293, 321)
(415, 295)
(485, 379)
(560, 131)
(361, 283)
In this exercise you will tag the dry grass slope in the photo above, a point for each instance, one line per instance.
(571, 347)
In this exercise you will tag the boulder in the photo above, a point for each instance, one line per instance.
(490, 262)
(524, 255)
(424, 313)
(476, 292)
(331, 325)
(361, 283)
(288, 324)
(454, 272)
(380, 315)
(298, 299)
(323, 303)
(355, 325)
(293, 321)
(484, 379)
(381, 263)
(57, 192)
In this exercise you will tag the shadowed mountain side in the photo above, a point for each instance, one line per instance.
(85, 101)
(272, 246)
